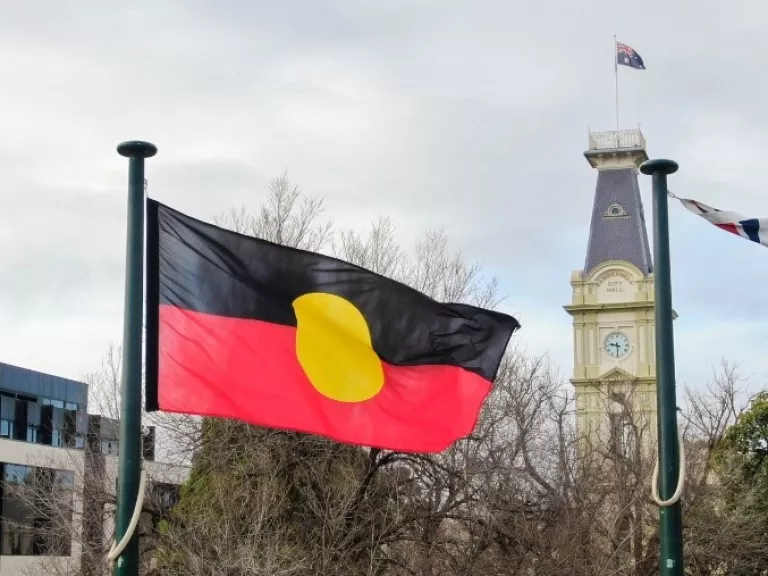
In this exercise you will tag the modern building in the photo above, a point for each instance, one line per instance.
(612, 303)
(58, 470)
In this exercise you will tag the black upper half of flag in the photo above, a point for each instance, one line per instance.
(627, 56)
(200, 267)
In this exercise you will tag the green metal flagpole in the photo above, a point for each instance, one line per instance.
(129, 457)
(670, 517)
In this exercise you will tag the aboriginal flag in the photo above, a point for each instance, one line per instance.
(243, 328)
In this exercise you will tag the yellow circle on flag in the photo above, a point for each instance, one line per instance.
(333, 346)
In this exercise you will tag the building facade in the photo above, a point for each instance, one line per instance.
(612, 304)
(58, 470)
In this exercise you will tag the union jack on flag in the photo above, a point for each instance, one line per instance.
(627, 56)
(755, 229)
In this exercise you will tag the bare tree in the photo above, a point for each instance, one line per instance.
(725, 515)
(522, 494)
(526, 493)
(67, 498)
(287, 217)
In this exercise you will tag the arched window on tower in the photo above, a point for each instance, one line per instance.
(615, 210)
(623, 435)
(623, 430)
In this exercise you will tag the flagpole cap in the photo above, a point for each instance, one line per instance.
(136, 149)
(659, 166)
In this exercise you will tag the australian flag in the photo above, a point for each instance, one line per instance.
(626, 56)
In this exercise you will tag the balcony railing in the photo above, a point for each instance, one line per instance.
(613, 140)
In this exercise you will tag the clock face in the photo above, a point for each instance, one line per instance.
(617, 345)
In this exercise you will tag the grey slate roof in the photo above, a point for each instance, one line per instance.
(618, 230)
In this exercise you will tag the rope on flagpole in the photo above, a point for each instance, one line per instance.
(680, 478)
(118, 547)
(681, 474)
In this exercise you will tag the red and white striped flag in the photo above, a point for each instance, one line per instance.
(754, 229)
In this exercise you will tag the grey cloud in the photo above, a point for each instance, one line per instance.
(209, 188)
(61, 253)
(444, 113)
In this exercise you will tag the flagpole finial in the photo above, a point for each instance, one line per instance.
(659, 166)
(136, 149)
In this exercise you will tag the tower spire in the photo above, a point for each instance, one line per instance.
(618, 230)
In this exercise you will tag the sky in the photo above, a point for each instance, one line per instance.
(472, 116)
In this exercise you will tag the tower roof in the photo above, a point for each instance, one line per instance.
(618, 230)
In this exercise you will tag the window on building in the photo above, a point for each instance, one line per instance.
(56, 541)
(148, 442)
(165, 496)
(52, 422)
(13, 415)
(6, 428)
(623, 435)
(37, 511)
(39, 420)
(109, 447)
(33, 434)
(162, 498)
(614, 211)
(54, 403)
(69, 430)
(15, 473)
(627, 439)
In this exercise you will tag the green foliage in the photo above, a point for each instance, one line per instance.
(727, 525)
(744, 450)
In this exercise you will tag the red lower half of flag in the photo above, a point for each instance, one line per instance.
(248, 370)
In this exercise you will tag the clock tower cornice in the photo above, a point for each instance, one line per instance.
(597, 274)
(583, 382)
(571, 308)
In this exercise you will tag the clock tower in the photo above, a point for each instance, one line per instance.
(612, 304)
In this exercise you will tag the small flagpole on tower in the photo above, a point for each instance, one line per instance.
(616, 83)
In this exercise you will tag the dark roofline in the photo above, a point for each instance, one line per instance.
(39, 373)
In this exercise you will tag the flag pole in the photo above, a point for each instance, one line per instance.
(616, 83)
(670, 516)
(129, 455)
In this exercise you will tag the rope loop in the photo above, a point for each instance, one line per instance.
(680, 478)
(118, 547)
